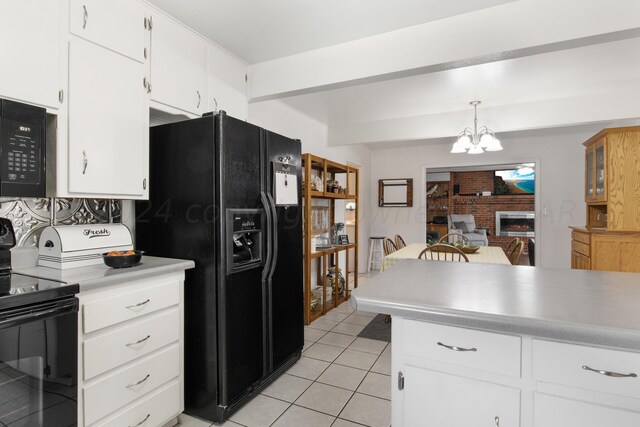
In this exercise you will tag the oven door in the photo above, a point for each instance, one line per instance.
(38, 365)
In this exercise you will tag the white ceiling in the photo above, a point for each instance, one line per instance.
(260, 30)
(577, 72)
(404, 71)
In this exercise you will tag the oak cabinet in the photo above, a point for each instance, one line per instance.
(611, 237)
(29, 54)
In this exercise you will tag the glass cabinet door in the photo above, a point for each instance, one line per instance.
(589, 173)
(599, 150)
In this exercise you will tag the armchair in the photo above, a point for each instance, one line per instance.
(466, 225)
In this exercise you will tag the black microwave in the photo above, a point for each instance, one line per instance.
(22, 150)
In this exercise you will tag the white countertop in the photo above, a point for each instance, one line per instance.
(591, 307)
(101, 275)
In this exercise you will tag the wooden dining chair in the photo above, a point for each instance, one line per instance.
(512, 245)
(516, 253)
(455, 238)
(442, 252)
(388, 246)
(400, 242)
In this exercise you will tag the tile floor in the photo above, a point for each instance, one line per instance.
(340, 381)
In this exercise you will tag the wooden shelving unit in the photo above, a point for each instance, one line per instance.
(438, 204)
(321, 295)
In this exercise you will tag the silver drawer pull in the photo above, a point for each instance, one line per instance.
(141, 422)
(85, 16)
(139, 382)
(497, 420)
(139, 341)
(140, 304)
(609, 373)
(454, 348)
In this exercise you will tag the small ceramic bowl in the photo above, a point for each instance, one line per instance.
(122, 261)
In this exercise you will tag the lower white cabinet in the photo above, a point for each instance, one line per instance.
(553, 411)
(436, 399)
(453, 376)
(130, 367)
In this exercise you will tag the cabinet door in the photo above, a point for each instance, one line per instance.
(227, 84)
(600, 172)
(436, 399)
(178, 67)
(108, 134)
(589, 163)
(29, 51)
(551, 411)
(118, 25)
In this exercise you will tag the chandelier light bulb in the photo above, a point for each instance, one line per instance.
(465, 142)
(458, 148)
(475, 150)
(494, 145)
(486, 140)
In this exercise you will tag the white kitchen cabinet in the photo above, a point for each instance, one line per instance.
(29, 51)
(178, 67)
(436, 399)
(119, 25)
(130, 364)
(108, 124)
(552, 411)
(227, 84)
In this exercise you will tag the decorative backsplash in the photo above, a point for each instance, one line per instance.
(31, 216)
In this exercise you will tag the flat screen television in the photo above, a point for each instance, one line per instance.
(514, 181)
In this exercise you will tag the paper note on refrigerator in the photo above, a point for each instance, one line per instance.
(285, 184)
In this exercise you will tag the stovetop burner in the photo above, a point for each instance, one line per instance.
(19, 289)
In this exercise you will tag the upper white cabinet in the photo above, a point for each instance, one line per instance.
(178, 67)
(227, 84)
(29, 51)
(108, 124)
(118, 25)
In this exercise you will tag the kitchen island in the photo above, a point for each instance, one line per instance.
(494, 345)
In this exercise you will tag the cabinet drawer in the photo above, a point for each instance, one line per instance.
(581, 248)
(563, 364)
(117, 25)
(120, 346)
(154, 410)
(581, 237)
(125, 386)
(493, 352)
(551, 411)
(109, 311)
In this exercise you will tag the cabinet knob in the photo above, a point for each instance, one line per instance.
(497, 420)
(85, 162)
(199, 99)
(85, 16)
(144, 184)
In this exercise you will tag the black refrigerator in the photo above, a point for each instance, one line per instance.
(227, 194)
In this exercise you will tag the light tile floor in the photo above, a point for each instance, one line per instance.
(340, 381)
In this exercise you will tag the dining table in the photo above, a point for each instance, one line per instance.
(484, 255)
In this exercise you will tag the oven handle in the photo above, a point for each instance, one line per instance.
(25, 316)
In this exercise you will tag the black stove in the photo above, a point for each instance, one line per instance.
(38, 346)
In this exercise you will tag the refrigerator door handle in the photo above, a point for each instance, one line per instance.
(267, 211)
(274, 230)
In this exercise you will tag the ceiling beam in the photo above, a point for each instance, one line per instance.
(547, 113)
(511, 30)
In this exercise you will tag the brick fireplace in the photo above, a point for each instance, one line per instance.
(484, 208)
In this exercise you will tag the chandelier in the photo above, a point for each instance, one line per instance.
(474, 141)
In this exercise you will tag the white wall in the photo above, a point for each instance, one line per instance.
(560, 173)
(278, 117)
